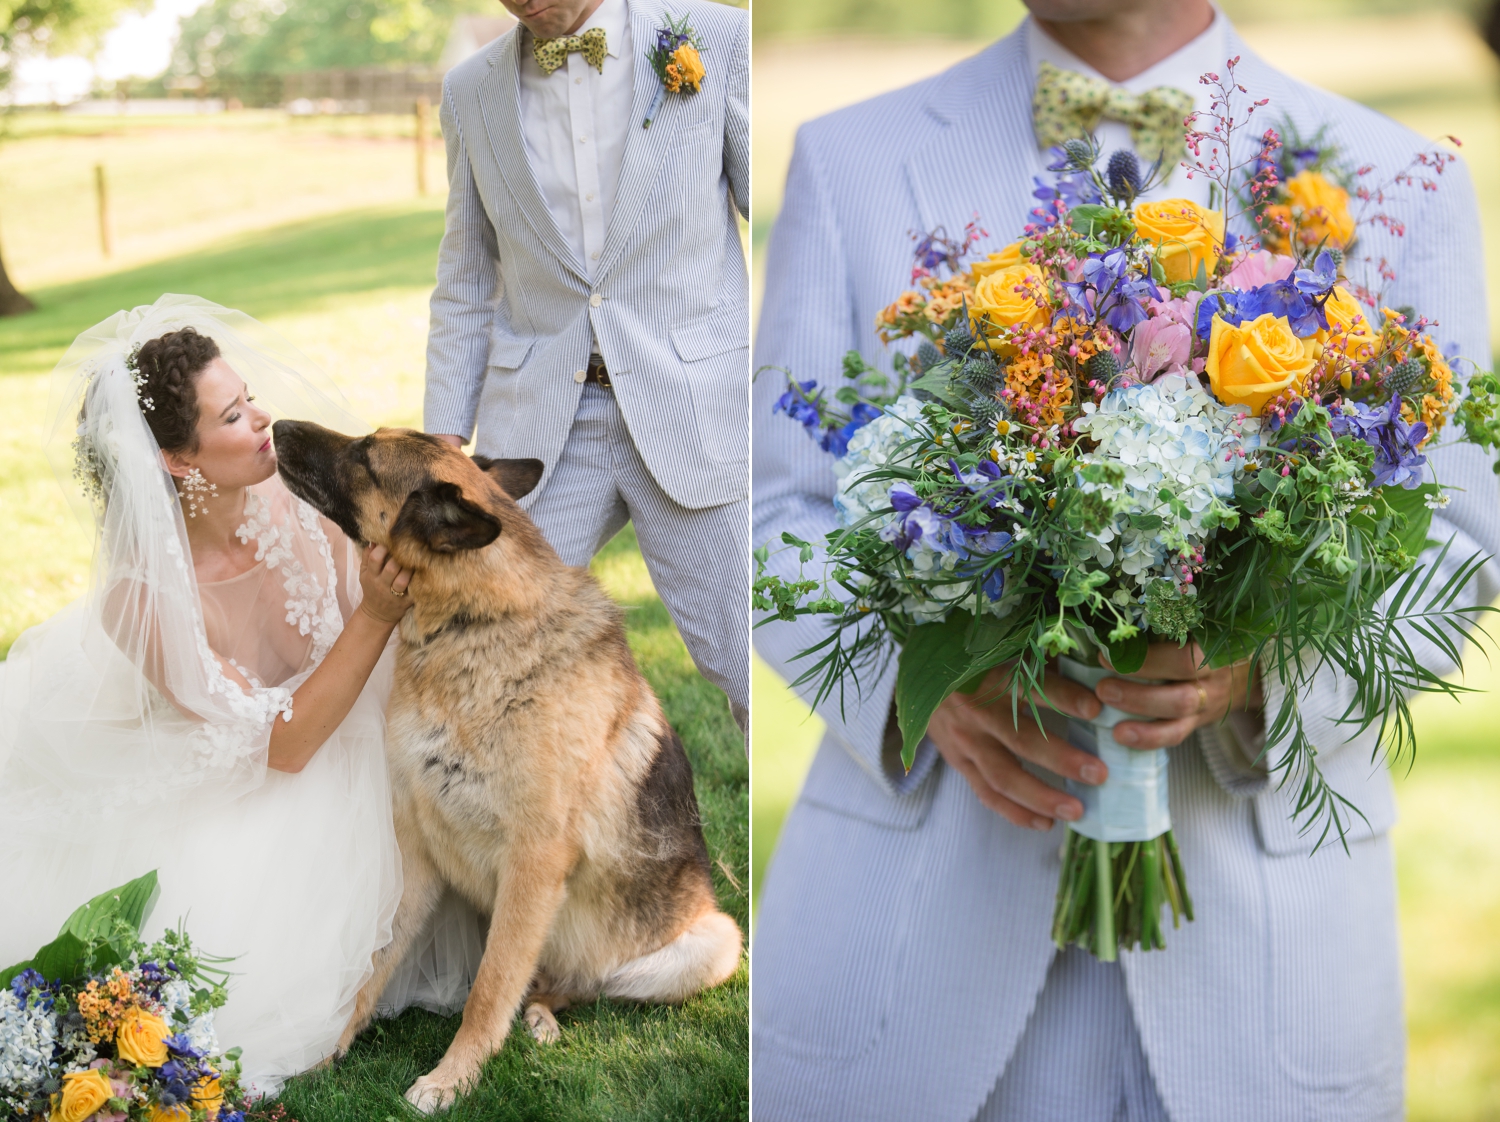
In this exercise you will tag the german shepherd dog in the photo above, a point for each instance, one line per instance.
(531, 767)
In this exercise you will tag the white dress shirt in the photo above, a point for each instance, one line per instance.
(1182, 69)
(575, 122)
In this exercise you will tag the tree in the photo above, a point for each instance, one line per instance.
(283, 36)
(51, 27)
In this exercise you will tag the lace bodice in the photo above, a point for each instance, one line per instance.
(279, 619)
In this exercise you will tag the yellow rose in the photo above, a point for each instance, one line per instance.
(1349, 327)
(83, 1093)
(1250, 364)
(1008, 298)
(1007, 258)
(178, 1113)
(1325, 210)
(1186, 236)
(140, 1040)
(689, 66)
(208, 1095)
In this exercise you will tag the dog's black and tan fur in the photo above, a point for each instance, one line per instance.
(531, 766)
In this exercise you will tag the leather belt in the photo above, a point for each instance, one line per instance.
(597, 374)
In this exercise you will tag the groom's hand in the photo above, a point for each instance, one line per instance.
(449, 438)
(978, 737)
(1190, 696)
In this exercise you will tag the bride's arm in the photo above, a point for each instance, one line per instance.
(323, 701)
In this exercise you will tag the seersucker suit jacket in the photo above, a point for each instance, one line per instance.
(902, 932)
(513, 306)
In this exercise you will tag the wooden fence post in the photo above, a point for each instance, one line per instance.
(101, 191)
(424, 108)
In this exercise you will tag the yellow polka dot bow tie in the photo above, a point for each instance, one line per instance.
(1068, 104)
(552, 53)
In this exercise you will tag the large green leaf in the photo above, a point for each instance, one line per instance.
(130, 903)
(934, 662)
(1412, 504)
(109, 922)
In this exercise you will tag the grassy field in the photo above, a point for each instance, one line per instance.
(346, 279)
(1425, 67)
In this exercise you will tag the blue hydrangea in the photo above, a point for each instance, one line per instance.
(1167, 435)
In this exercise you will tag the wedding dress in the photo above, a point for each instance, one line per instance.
(125, 748)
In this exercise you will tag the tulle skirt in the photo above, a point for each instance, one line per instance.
(298, 880)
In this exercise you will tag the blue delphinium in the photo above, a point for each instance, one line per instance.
(835, 440)
(799, 407)
(1397, 460)
(173, 1077)
(1298, 298)
(1111, 291)
(26, 981)
(802, 404)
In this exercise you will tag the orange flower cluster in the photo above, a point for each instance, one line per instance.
(103, 1007)
(947, 298)
(895, 320)
(1436, 405)
(1039, 390)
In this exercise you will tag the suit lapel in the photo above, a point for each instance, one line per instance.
(500, 103)
(982, 154)
(645, 149)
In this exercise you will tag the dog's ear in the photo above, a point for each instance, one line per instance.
(439, 516)
(517, 477)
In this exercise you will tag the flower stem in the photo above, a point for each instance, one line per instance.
(1110, 894)
(1104, 910)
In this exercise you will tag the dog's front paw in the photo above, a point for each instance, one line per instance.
(543, 1024)
(428, 1095)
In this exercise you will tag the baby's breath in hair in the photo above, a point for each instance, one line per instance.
(133, 364)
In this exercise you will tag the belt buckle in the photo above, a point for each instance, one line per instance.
(601, 375)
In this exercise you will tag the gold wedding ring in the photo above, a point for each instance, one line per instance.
(403, 593)
(1202, 696)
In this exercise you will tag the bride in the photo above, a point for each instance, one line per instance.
(213, 708)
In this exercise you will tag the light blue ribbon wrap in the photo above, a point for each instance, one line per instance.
(1131, 805)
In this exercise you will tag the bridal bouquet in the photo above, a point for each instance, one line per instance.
(99, 1026)
(1128, 426)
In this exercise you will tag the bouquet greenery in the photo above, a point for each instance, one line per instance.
(99, 1026)
(1130, 426)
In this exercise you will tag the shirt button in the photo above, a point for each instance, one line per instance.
(580, 376)
(589, 197)
(595, 255)
(595, 300)
(583, 140)
(578, 81)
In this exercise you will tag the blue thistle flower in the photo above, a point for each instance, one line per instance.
(1123, 174)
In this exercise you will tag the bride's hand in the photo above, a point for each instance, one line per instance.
(384, 583)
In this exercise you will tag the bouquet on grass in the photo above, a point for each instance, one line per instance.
(99, 1026)
(1127, 427)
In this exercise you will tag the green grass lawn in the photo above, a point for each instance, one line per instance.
(349, 287)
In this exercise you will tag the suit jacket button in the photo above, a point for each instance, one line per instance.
(580, 375)
(595, 300)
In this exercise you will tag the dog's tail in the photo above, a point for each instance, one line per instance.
(704, 955)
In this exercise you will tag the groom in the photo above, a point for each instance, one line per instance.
(903, 967)
(591, 308)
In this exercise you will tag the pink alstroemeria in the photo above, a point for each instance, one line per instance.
(1160, 344)
(1258, 268)
(1183, 310)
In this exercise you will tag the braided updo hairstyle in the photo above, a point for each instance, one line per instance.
(167, 376)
